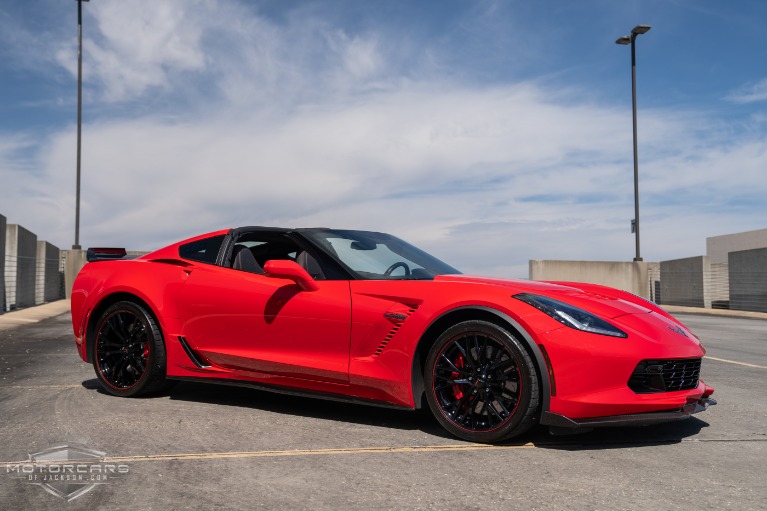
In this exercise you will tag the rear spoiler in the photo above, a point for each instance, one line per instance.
(105, 254)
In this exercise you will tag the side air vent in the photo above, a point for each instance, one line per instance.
(398, 318)
(195, 357)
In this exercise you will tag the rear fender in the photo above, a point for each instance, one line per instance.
(154, 285)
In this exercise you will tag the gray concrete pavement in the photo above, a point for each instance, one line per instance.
(206, 446)
(738, 339)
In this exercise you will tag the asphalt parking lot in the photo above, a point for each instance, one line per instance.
(207, 446)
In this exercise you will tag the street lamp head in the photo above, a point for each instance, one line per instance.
(623, 40)
(640, 29)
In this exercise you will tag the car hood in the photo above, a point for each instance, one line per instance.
(601, 304)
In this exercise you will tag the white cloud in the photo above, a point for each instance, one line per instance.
(139, 45)
(750, 93)
(486, 178)
(177, 49)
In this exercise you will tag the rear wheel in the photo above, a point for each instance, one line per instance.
(129, 353)
(482, 385)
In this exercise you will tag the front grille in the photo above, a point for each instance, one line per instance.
(665, 375)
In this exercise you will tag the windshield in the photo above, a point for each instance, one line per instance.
(379, 256)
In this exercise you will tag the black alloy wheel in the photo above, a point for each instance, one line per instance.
(129, 354)
(482, 385)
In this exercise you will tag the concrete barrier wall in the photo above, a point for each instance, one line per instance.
(684, 282)
(49, 283)
(73, 261)
(20, 267)
(30, 270)
(633, 277)
(748, 280)
(2, 264)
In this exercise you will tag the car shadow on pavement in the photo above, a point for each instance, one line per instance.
(299, 406)
(418, 420)
(617, 437)
(600, 438)
(93, 384)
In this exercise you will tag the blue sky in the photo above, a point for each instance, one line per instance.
(489, 133)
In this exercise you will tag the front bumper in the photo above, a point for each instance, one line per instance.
(559, 424)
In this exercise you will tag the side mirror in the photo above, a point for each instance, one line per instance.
(279, 269)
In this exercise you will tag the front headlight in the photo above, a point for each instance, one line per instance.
(571, 316)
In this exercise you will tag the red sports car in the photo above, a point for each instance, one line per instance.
(366, 317)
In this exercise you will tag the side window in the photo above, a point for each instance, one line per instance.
(266, 246)
(204, 251)
(252, 250)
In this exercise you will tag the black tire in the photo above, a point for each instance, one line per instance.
(481, 383)
(129, 352)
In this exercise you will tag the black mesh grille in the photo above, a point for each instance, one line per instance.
(665, 375)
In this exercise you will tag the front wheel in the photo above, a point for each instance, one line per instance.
(129, 353)
(481, 383)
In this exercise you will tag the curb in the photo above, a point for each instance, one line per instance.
(678, 309)
(33, 314)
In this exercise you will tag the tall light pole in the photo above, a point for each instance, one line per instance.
(637, 30)
(76, 246)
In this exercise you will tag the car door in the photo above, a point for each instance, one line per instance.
(250, 322)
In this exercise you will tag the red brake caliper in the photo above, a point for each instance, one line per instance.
(457, 391)
(145, 353)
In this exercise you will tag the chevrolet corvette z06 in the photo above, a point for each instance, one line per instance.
(366, 317)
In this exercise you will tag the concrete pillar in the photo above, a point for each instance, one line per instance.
(748, 280)
(2, 263)
(49, 285)
(686, 282)
(20, 267)
(73, 260)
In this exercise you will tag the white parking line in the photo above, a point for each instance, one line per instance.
(735, 362)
